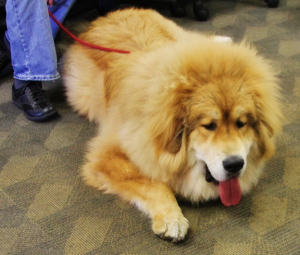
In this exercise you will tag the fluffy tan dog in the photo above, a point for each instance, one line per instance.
(182, 114)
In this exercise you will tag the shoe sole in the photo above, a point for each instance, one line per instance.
(36, 119)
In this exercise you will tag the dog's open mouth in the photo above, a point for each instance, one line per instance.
(209, 177)
(229, 190)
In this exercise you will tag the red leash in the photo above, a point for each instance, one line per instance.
(83, 42)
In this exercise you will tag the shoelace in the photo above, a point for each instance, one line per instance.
(35, 94)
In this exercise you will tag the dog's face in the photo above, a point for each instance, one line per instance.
(222, 127)
(220, 123)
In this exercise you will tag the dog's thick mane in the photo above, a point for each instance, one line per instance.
(180, 74)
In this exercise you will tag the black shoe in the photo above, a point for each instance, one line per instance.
(5, 58)
(32, 101)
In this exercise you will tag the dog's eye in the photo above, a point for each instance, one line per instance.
(240, 124)
(211, 126)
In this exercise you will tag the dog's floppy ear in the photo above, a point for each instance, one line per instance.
(170, 138)
(167, 126)
(269, 118)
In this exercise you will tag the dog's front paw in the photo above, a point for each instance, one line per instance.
(172, 227)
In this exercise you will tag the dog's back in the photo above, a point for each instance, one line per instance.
(131, 30)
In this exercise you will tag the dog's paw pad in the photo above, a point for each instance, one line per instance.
(171, 227)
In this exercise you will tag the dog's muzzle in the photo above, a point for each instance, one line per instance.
(232, 165)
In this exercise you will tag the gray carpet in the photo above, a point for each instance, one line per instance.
(45, 208)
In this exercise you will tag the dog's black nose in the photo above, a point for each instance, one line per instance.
(233, 164)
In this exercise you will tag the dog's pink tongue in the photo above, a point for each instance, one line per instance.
(230, 191)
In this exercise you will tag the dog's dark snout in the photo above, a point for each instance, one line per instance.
(233, 164)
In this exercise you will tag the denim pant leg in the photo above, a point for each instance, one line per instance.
(32, 46)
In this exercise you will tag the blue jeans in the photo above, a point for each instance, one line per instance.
(31, 34)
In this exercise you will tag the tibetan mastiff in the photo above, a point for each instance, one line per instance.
(184, 114)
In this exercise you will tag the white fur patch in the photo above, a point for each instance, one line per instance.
(224, 39)
(195, 187)
(214, 157)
